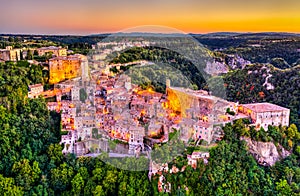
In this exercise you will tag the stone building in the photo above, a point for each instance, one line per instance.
(56, 51)
(136, 138)
(35, 90)
(203, 131)
(64, 67)
(265, 114)
(10, 54)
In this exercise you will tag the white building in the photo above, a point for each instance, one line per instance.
(35, 90)
(75, 94)
(136, 138)
(265, 114)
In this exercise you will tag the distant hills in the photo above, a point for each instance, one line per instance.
(262, 34)
(134, 34)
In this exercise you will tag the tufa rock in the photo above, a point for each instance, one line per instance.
(265, 153)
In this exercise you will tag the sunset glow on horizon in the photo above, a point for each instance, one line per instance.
(191, 16)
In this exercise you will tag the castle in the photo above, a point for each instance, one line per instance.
(66, 67)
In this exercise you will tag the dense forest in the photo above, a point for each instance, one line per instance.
(78, 44)
(14, 81)
(257, 48)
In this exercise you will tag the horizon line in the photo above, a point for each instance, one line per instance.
(188, 33)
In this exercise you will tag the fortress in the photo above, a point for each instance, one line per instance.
(66, 67)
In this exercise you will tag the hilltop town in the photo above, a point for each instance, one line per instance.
(102, 111)
(117, 109)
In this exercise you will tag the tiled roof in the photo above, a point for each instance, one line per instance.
(264, 107)
(35, 85)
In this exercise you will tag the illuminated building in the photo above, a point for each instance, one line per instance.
(65, 67)
(181, 99)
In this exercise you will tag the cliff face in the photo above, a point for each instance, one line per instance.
(266, 153)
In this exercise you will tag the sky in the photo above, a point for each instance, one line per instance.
(85, 17)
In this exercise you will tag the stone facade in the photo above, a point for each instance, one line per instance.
(10, 54)
(265, 114)
(63, 68)
(35, 90)
(56, 51)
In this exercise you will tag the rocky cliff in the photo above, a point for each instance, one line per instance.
(266, 153)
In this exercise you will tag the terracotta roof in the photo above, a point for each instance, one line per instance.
(264, 107)
(35, 85)
(203, 124)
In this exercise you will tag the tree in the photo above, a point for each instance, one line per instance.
(89, 187)
(297, 150)
(283, 188)
(289, 172)
(292, 131)
(54, 152)
(26, 174)
(35, 53)
(11, 39)
(8, 187)
(109, 182)
(83, 95)
(60, 177)
(77, 184)
(29, 55)
(98, 174)
(21, 56)
(99, 191)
